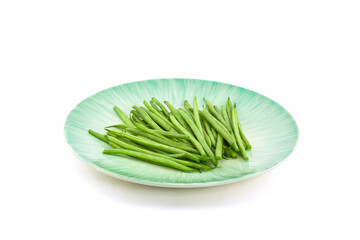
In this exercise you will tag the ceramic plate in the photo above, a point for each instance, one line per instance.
(271, 130)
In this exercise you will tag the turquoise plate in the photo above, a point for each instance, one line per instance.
(271, 130)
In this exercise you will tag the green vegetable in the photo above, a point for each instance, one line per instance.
(162, 107)
(150, 158)
(123, 116)
(153, 104)
(219, 147)
(219, 127)
(242, 135)
(191, 138)
(172, 157)
(148, 143)
(186, 139)
(146, 118)
(197, 133)
(158, 120)
(98, 135)
(237, 134)
(209, 133)
(177, 115)
(157, 113)
(162, 140)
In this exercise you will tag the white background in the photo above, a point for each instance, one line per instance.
(303, 54)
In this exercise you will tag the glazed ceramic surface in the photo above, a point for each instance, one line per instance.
(271, 130)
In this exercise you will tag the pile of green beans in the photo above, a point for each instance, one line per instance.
(187, 139)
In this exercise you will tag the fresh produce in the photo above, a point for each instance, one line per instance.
(187, 139)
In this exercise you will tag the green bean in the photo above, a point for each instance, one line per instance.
(172, 134)
(199, 166)
(191, 114)
(226, 117)
(148, 130)
(197, 133)
(228, 108)
(209, 133)
(98, 135)
(214, 132)
(154, 111)
(207, 140)
(153, 104)
(231, 153)
(158, 120)
(138, 120)
(187, 105)
(217, 109)
(162, 107)
(242, 135)
(177, 115)
(219, 146)
(213, 111)
(237, 134)
(162, 140)
(219, 127)
(172, 157)
(153, 144)
(175, 155)
(197, 117)
(128, 141)
(123, 116)
(146, 117)
(119, 126)
(150, 158)
(135, 113)
(185, 132)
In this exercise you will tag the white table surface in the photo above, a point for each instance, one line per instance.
(302, 54)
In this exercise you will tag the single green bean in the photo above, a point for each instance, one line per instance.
(153, 144)
(187, 105)
(172, 134)
(175, 155)
(98, 135)
(237, 134)
(123, 116)
(162, 107)
(150, 158)
(146, 117)
(191, 137)
(219, 147)
(219, 127)
(228, 109)
(119, 126)
(226, 117)
(197, 117)
(242, 135)
(197, 133)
